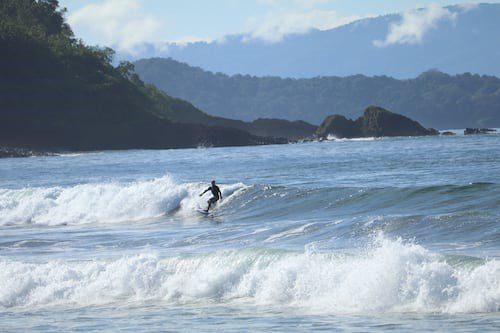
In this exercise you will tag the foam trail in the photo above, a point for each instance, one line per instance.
(390, 277)
(100, 203)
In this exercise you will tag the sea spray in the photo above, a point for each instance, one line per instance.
(102, 202)
(390, 276)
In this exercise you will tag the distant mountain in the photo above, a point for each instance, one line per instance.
(433, 98)
(453, 40)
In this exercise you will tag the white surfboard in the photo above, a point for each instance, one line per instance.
(202, 211)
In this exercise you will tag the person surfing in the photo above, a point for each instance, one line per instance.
(217, 194)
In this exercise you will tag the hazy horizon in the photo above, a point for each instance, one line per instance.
(126, 24)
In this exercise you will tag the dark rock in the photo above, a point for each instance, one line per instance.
(292, 130)
(432, 131)
(375, 122)
(21, 152)
(471, 131)
(338, 126)
(448, 133)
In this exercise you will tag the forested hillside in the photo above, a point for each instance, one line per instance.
(58, 93)
(433, 98)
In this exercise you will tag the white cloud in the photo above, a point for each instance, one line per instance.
(190, 39)
(465, 7)
(117, 23)
(275, 25)
(415, 24)
(304, 3)
(284, 17)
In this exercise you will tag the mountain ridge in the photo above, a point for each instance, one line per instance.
(433, 98)
(461, 43)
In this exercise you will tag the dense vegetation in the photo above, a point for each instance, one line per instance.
(435, 99)
(57, 92)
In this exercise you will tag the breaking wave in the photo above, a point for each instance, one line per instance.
(122, 202)
(390, 276)
(101, 203)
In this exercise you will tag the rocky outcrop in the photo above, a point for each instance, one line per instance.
(448, 133)
(280, 128)
(471, 131)
(21, 152)
(375, 122)
(338, 126)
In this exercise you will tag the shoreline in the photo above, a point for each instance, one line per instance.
(14, 152)
(17, 152)
(20, 152)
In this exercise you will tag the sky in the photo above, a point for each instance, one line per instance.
(124, 24)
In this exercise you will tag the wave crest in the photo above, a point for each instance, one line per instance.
(390, 277)
(104, 202)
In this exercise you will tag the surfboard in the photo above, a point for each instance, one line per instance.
(202, 211)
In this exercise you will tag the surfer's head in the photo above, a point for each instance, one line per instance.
(213, 182)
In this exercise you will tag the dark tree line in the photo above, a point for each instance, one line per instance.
(435, 99)
(58, 93)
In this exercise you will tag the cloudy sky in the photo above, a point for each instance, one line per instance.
(125, 23)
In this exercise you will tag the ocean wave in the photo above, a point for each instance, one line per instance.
(102, 203)
(277, 202)
(122, 202)
(390, 276)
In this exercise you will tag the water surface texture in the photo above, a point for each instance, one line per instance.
(352, 235)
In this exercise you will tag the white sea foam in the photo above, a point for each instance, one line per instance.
(390, 277)
(101, 203)
(334, 138)
(289, 232)
(192, 200)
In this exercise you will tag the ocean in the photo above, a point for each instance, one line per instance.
(398, 234)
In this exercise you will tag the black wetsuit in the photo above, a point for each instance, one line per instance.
(215, 192)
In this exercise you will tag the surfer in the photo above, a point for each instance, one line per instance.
(217, 194)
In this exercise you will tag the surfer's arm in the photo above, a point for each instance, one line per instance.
(220, 194)
(208, 189)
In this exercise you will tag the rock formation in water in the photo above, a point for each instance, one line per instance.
(471, 131)
(375, 122)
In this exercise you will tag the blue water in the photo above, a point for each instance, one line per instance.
(395, 234)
